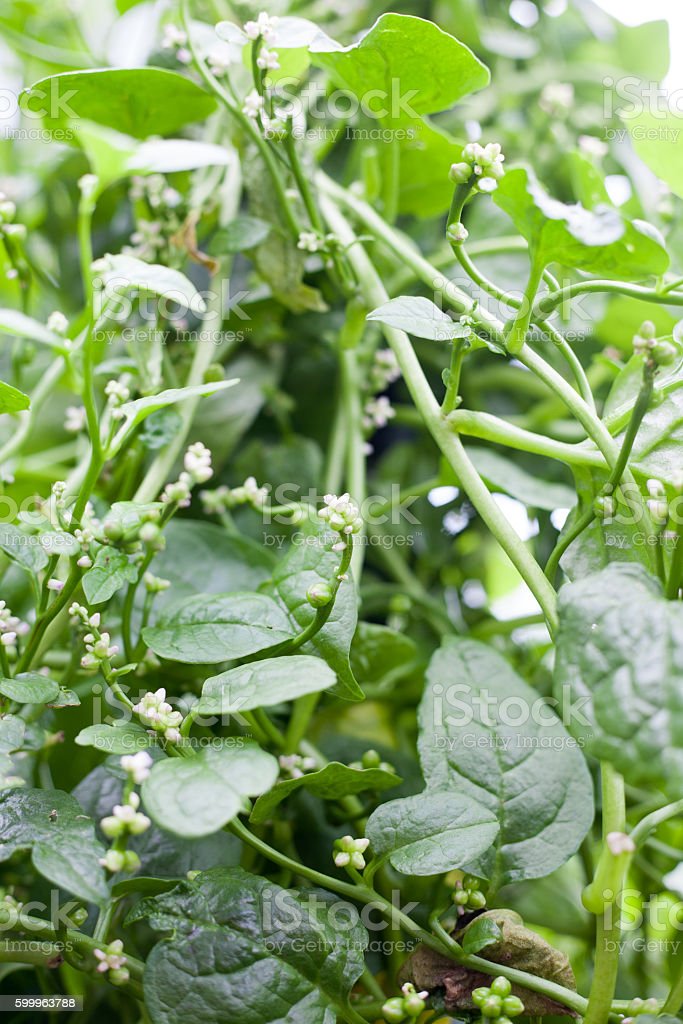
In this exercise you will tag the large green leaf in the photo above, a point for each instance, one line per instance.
(23, 548)
(308, 562)
(238, 941)
(199, 553)
(112, 570)
(208, 628)
(333, 781)
(420, 317)
(138, 101)
(121, 273)
(197, 796)
(30, 688)
(485, 734)
(620, 656)
(402, 67)
(60, 836)
(658, 140)
(432, 832)
(264, 683)
(427, 152)
(601, 240)
(122, 737)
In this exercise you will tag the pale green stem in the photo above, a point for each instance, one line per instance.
(440, 429)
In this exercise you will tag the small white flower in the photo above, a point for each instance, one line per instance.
(556, 96)
(173, 37)
(137, 765)
(619, 842)
(184, 55)
(84, 562)
(341, 513)
(487, 185)
(377, 413)
(75, 419)
(125, 819)
(110, 958)
(457, 232)
(263, 27)
(116, 392)
(268, 60)
(7, 639)
(197, 463)
(349, 851)
(253, 104)
(57, 322)
(310, 242)
(55, 584)
(88, 183)
(592, 146)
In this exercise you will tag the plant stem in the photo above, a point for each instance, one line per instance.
(491, 428)
(441, 431)
(607, 923)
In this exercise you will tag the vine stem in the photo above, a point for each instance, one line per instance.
(440, 429)
(488, 427)
(607, 923)
(462, 302)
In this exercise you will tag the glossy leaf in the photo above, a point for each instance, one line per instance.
(30, 688)
(206, 629)
(264, 683)
(420, 317)
(433, 832)
(197, 796)
(486, 735)
(333, 781)
(112, 570)
(61, 838)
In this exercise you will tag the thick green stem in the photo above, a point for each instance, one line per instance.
(608, 927)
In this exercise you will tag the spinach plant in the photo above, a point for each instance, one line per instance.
(341, 645)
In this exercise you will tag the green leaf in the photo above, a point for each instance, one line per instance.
(601, 240)
(138, 410)
(620, 660)
(21, 326)
(502, 474)
(198, 551)
(122, 737)
(239, 235)
(113, 155)
(197, 796)
(241, 941)
(208, 628)
(402, 67)
(23, 548)
(427, 153)
(137, 101)
(433, 832)
(419, 317)
(121, 273)
(262, 684)
(30, 688)
(11, 399)
(485, 734)
(658, 140)
(61, 838)
(308, 562)
(482, 932)
(111, 571)
(333, 781)
(378, 651)
(12, 730)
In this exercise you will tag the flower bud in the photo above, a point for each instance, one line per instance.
(393, 1011)
(319, 594)
(460, 173)
(647, 329)
(512, 1006)
(664, 353)
(491, 1006)
(501, 987)
(457, 233)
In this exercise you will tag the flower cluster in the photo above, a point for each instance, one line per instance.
(117, 394)
(112, 962)
(342, 514)
(57, 322)
(125, 819)
(377, 413)
(484, 163)
(410, 1004)
(645, 342)
(156, 713)
(137, 766)
(348, 852)
(99, 648)
(384, 369)
(467, 894)
(262, 28)
(197, 470)
(496, 1002)
(11, 626)
(176, 40)
(294, 766)
(372, 759)
(75, 419)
